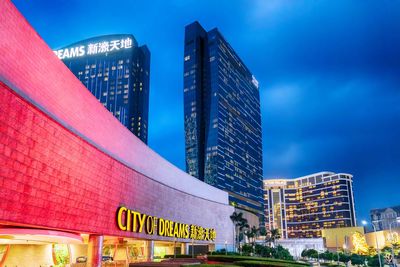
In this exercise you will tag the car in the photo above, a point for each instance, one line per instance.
(107, 258)
(81, 259)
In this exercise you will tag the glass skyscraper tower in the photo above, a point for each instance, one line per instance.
(116, 71)
(222, 118)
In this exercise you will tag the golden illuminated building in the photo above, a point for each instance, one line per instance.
(354, 240)
(303, 206)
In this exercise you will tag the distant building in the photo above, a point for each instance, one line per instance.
(116, 71)
(352, 239)
(346, 238)
(222, 118)
(385, 218)
(303, 206)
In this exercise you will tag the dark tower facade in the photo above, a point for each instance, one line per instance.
(222, 118)
(117, 72)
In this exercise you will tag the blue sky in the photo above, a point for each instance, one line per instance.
(329, 74)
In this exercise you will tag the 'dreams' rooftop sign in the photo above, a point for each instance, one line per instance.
(133, 221)
(98, 45)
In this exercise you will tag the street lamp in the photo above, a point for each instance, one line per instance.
(337, 249)
(364, 222)
(397, 220)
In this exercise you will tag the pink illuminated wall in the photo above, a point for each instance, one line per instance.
(67, 163)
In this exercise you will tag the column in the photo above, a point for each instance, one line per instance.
(149, 250)
(185, 248)
(95, 250)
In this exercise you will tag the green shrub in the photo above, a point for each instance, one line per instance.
(178, 256)
(222, 258)
(264, 251)
(222, 252)
(374, 261)
(357, 259)
(247, 249)
(250, 263)
(282, 253)
(330, 264)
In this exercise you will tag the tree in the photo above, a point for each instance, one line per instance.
(243, 225)
(254, 233)
(262, 232)
(344, 258)
(372, 251)
(374, 261)
(359, 243)
(309, 253)
(304, 253)
(249, 234)
(247, 249)
(313, 253)
(263, 251)
(240, 224)
(357, 259)
(327, 255)
(236, 218)
(274, 234)
(281, 253)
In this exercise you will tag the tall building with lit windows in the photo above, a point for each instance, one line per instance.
(222, 118)
(116, 71)
(302, 207)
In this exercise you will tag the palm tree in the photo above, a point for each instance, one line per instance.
(243, 225)
(250, 234)
(263, 232)
(236, 218)
(254, 233)
(274, 234)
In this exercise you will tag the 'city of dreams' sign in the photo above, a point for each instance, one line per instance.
(133, 221)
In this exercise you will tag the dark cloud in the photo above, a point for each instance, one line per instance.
(329, 74)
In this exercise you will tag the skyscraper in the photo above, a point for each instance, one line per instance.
(222, 118)
(116, 71)
(302, 207)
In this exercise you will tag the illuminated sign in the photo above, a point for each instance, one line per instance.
(94, 48)
(133, 221)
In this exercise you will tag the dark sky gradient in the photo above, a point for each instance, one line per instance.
(329, 74)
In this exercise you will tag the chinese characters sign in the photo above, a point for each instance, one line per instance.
(129, 220)
(94, 48)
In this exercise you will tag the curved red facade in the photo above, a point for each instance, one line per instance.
(68, 164)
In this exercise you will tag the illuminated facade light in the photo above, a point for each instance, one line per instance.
(302, 207)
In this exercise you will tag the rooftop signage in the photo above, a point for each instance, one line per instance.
(94, 48)
(133, 221)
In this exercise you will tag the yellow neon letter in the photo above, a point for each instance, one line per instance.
(120, 211)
